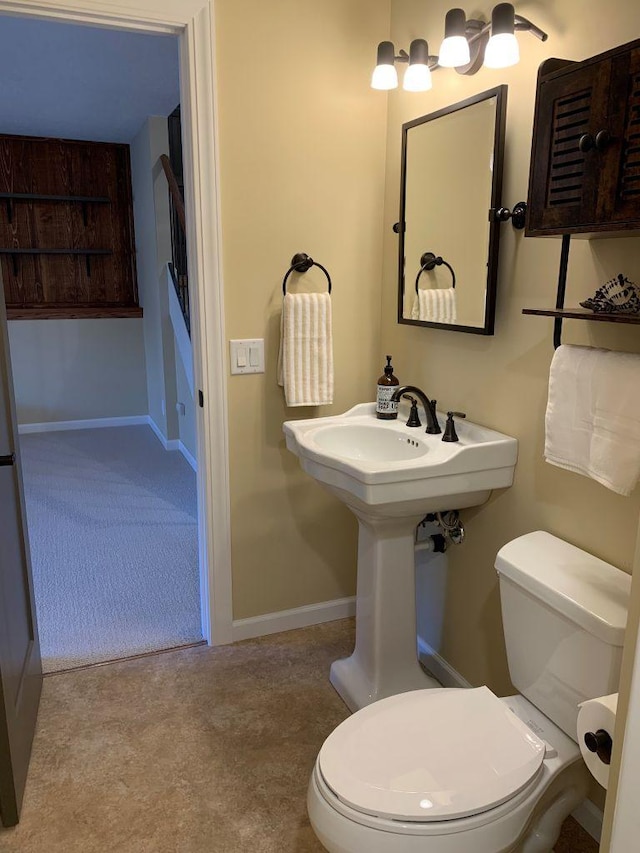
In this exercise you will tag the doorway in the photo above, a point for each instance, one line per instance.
(104, 402)
(192, 22)
(192, 25)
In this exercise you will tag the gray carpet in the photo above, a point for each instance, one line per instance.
(114, 544)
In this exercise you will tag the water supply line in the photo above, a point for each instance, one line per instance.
(452, 532)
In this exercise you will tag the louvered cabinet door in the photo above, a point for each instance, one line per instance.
(566, 166)
(619, 195)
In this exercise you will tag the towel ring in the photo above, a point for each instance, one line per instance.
(301, 262)
(429, 261)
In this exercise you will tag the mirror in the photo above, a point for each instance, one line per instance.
(451, 184)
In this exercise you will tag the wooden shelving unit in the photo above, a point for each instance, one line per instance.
(66, 229)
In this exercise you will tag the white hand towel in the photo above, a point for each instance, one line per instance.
(305, 362)
(593, 415)
(435, 305)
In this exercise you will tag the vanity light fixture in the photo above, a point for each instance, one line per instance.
(502, 48)
(467, 44)
(385, 75)
(454, 50)
(417, 77)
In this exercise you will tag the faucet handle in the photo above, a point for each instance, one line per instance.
(414, 418)
(450, 433)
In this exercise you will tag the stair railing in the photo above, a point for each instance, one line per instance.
(178, 267)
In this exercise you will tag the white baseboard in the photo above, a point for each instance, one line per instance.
(91, 423)
(439, 668)
(589, 816)
(97, 423)
(298, 617)
(167, 443)
(172, 443)
(190, 459)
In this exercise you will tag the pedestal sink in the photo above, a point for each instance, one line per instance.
(390, 476)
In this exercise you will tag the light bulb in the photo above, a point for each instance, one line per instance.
(384, 74)
(417, 78)
(454, 52)
(502, 51)
(384, 77)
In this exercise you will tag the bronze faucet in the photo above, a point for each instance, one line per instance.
(433, 427)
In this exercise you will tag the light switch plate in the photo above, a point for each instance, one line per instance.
(247, 355)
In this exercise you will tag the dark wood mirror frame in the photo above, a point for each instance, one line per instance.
(500, 94)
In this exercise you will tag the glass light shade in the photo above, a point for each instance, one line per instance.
(454, 52)
(384, 77)
(417, 78)
(502, 51)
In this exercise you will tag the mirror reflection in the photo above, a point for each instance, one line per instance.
(451, 183)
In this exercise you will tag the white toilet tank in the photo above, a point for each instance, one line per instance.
(564, 613)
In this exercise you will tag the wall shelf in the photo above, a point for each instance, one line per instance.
(72, 312)
(56, 252)
(82, 199)
(86, 253)
(583, 314)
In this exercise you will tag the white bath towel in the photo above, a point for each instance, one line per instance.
(435, 305)
(305, 363)
(593, 415)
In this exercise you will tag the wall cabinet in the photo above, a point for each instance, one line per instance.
(585, 162)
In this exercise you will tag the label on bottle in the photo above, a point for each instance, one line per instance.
(384, 404)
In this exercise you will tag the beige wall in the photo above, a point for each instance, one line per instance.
(502, 381)
(302, 139)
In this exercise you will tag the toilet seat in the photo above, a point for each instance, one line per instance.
(428, 756)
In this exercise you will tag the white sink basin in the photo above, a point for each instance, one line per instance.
(395, 470)
(369, 443)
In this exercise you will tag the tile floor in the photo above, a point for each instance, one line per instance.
(193, 751)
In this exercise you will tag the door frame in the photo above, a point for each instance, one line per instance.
(193, 22)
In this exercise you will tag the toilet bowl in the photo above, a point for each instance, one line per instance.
(449, 771)
(461, 770)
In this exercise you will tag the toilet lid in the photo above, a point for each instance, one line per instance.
(431, 755)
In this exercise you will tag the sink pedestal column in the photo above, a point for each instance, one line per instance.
(385, 659)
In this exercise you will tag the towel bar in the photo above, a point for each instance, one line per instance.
(301, 262)
(430, 261)
(562, 288)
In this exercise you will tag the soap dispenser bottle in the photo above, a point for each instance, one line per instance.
(386, 408)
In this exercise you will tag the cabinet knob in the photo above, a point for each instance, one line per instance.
(586, 143)
(603, 138)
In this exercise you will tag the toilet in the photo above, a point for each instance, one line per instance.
(455, 770)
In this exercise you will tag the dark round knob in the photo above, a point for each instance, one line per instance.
(599, 742)
(429, 261)
(602, 139)
(586, 142)
(502, 214)
(301, 262)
